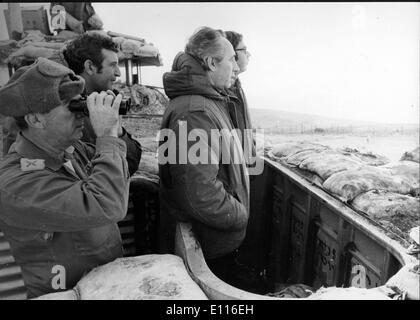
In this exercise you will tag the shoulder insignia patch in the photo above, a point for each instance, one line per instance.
(32, 164)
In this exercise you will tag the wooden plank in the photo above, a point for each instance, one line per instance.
(14, 22)
(19, 295)
(343, 238)
(128, 217)
(189, 249)
(126, 36)
(129, 251)
(4, 245)
(6, 259)
(11, 270)
(127, 229)
(129, 241)
(11, 285)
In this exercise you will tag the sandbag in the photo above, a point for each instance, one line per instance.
(381, 204)
(292, 291)
(368, 158)
(413, 155)
(415, 234)
(352, 293)
(407, 280)
(147, 50)
(64, 295)
(131, 46)
(287, 149)
(349, 184)
(147, 100)
(31, 51)
(409, 171)
(6, 48)
(146, 277)
(297, 158)
(396, 212)
(326, 163)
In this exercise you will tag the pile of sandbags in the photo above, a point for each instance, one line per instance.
(387, 192)
(348, 184)
(34, 44)
(148, 100)
(147, 277)
(133, 46)
(144, 99)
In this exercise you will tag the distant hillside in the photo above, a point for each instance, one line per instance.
(284, 121)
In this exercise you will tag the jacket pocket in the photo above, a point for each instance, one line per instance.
(96, 240)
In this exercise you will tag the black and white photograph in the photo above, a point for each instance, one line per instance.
(185, 152)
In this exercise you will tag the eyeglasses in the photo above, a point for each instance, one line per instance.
(245, 50)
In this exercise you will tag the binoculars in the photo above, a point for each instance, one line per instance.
(81, 105)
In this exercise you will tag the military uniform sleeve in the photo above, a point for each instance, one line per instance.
(53, 201)
(134, 150)
(199, 190)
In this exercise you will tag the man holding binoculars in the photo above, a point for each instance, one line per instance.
(60, 198)
(93, 57)
(80, 105)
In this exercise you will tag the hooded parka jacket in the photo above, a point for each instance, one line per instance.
(212, 193)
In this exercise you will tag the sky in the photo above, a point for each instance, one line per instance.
(342, 60)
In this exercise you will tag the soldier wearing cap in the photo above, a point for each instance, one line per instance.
(94, 58)
(60, 199)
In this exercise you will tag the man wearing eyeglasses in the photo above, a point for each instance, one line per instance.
(240, 113)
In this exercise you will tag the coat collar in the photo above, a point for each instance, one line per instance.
(27, 149)
(188, 77)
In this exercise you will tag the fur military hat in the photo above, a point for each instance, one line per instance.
(39, 88)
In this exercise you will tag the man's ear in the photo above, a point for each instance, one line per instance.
(210, 63)
(89, 67)
(35, 120)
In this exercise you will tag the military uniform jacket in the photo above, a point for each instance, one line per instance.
(61, 215)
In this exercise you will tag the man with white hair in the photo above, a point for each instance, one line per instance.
(212, 195)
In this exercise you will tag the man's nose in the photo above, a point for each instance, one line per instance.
(235, 66)
(117, 72)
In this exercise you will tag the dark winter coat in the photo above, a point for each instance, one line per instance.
(213, 196)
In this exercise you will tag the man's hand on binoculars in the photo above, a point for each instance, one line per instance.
(103, 113)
